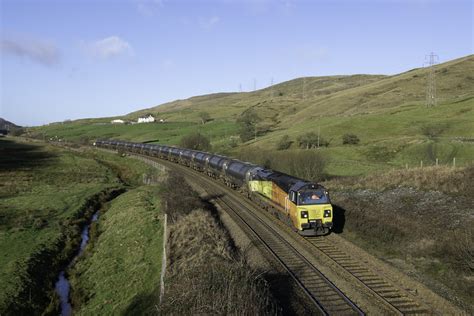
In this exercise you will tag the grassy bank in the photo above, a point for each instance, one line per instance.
(44, 193)
(419, 220)
(120, 271)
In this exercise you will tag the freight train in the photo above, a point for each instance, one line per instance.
(302, 204)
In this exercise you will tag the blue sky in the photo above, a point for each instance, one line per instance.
(83, 58)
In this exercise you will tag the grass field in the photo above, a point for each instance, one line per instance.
(46, 193)
(43, 189)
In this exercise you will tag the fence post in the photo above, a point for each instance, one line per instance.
(436, 162)
(454, 162)
(421, 163)
(406, 166)
(163, 261)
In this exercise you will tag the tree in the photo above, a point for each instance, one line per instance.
(311, 140)
(284, 143)
(195, 141)
(205, 117)
(248, 125)
(350, 139)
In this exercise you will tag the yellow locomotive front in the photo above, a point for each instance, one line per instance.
(312, 210)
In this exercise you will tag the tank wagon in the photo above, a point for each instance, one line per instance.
(303, 204)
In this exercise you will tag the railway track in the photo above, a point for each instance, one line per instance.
(326, 297)
(399, 299)
(321, 291)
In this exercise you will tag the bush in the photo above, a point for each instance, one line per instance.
(309, 165)
(350, 139)
(205, 117)
(312, 140)
(284, 143)
(195, 141)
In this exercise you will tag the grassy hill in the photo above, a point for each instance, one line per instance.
(387, 113)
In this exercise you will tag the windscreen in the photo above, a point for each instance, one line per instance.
(312, 196)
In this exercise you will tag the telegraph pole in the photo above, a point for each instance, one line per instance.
(431, 80)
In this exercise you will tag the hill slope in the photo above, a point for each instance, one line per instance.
(387, 113)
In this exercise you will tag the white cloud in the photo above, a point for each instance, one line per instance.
(108, 47)
(208, 23)
(39, 51)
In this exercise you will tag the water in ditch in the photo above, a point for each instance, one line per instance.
(62, 285)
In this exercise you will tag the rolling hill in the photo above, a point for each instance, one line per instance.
(387, 113)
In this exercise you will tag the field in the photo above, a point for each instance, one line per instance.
(46, 195)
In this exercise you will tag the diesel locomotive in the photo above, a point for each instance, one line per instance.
(303, 204)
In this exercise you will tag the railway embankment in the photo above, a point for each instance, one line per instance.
(206, 273)
(419, 221)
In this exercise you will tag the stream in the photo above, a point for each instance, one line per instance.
(62, 285)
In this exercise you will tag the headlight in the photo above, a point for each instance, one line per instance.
(304, 214)
(327, 213)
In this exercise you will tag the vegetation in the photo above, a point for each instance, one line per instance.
(305, 164)
(206, 275)
(120, 272)
(311, 140)
(418, 219)
(350, 139)
(248, 125)
(195, 141)
(205, 117)
(284, 143)
(45, 197)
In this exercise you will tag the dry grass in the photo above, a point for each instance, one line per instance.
(421, 217)
(441, 178)
(205, 273)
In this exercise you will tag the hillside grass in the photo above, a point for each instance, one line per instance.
(120, 272)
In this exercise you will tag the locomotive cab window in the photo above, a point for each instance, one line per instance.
(293, 196)
(317, 196)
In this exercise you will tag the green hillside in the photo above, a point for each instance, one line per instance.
(387, 113)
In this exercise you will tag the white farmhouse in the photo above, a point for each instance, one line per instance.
(117, 121)
(146, 119)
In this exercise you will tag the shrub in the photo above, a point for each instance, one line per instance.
(312, 140)
(433, 130)
(350, 139)
(195, 141)
(284, 143)
(205, 117)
